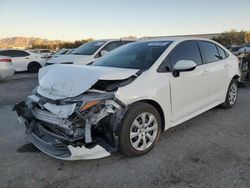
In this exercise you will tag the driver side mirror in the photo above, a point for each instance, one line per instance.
(183, 66)
(103, 53)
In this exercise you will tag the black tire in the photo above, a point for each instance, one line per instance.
(132, 114)
(228, 103)
(34, 67)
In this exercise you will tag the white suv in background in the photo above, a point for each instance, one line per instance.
(88, 52)
(24, 60)
(125, 99)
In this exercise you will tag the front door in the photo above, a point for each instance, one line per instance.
(189, 91)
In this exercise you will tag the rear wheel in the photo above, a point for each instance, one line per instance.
(232, 95)
(140, 129)
(34, 67)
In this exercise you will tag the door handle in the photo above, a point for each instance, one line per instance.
(27, 58)
(205, 72)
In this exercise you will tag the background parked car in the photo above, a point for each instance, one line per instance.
(88, 52)
(59, 52)
(234, 49)
(43, 52)
(24, 60)
(244, 49)
(6, 67)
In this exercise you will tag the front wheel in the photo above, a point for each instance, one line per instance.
(140, 129)
(232, 95)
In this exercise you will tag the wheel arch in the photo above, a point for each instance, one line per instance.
(236, 77)
(34, 62)
(158, 107)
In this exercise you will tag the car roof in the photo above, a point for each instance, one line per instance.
(175, 39)
(112, 40)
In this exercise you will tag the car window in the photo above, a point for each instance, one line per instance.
(126, 42)
(89, 48)
(137, 55)
(165, 66)
(45, 51)
(111, 46)
(187, 50)
(209, 52)
(222, 52)
(18, 53)
(4, 53)
(35, 51)
(15, 53)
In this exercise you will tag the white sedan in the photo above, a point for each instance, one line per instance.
(124, 100)
(24, 60)
(6, 67)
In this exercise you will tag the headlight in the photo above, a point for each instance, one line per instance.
(89, 105)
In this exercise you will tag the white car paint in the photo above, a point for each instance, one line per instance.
(43, 52)
(6, 68)
(71, 85)
(22, 63)
(83, 59)
(180, 98)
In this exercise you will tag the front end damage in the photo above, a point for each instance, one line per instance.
(81, 127)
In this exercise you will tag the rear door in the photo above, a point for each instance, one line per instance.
(189, 91)
(216, 59)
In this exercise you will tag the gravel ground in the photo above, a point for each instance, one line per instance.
(210, 150)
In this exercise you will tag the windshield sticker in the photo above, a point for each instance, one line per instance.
(99, 43)
(161, 43)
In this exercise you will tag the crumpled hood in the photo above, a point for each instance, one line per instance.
(70, 58)
(63, 81)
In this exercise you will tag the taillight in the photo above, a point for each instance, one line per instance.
(5, 60)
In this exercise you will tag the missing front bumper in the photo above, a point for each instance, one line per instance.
(69, 152)
(63, 147)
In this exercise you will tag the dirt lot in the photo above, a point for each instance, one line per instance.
(211, 150)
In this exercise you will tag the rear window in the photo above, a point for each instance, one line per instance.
(4, 53)
(14, 53)
(209, 52)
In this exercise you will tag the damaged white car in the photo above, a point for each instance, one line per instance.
(125, 99)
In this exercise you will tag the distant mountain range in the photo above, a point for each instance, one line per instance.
(25, 42)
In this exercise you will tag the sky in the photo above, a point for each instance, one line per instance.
(71, 20)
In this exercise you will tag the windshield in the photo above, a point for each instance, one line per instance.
(138, 55)
(88, 48)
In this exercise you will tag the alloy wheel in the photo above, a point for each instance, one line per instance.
(143, 131)
(233, 91)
